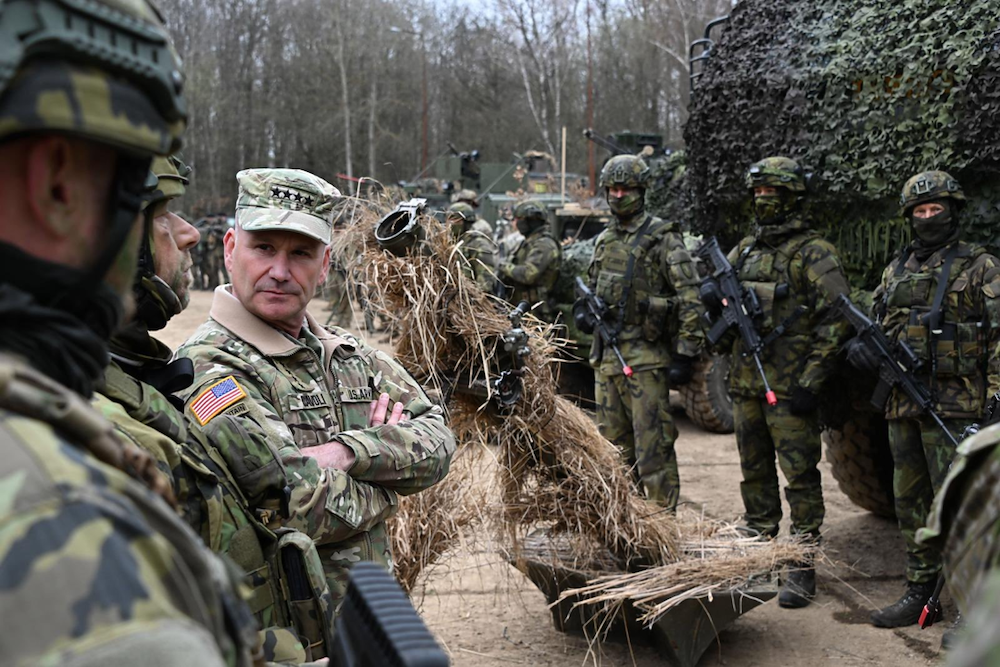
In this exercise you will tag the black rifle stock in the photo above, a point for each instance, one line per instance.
(378, 626)
(598, 311)
(898, 363)
(739, 307)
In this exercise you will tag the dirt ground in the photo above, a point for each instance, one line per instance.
(485, 613)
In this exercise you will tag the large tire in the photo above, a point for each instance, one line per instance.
(706, 398)
(861, 460)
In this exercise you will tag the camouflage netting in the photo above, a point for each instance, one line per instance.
(864, 94)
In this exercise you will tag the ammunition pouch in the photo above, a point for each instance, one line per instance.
(303, 584)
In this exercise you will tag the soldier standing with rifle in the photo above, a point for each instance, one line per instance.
(534, 267)
(795, 276)
(646, 283)
(940, 299)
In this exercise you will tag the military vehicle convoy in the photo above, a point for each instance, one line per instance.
(864, 94)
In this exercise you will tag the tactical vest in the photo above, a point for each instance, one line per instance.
(634, 289)
(955, 360)
(766, 273)
(283, 569)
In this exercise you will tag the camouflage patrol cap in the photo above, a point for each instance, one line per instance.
(629, 171)
(172, 178)
(104, 70)
(462, 210)
(778, 172)
(529, 209)
(286, 199)
(928, 186)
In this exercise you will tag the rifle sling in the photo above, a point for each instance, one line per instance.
(933, 318)
(629, 270)
(779, 330)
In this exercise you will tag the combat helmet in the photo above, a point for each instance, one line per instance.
(156, 301)
(778, 172)
(105, 71)
(629, 171)
(467, 195)
(529, 209)
(463, 211)
(928, 186)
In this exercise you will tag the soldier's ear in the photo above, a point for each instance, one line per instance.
(324, 273)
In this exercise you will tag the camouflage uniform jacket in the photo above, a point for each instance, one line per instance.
(211, 472)
(967, 363)
(479, 250)
(791, 270)
(533, 269)
(965, 517)
(301, 394)
(662, 312)
(95, 569)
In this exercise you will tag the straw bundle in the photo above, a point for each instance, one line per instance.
(718, 561)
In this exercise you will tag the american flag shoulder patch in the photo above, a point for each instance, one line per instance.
(216, 398)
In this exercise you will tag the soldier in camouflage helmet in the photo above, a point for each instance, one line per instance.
(466, 196)
(796, 276)
(533, 267)
(648, 281)
(95, 566)
(352, 428)
(941, 296)
(217, 473)
(477, 248)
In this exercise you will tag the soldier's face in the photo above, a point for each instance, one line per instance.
(765, 191)
(928, 210)
(173, 239)
(276, 273)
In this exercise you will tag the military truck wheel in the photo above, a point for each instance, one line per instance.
(706, 398)
(859, 454)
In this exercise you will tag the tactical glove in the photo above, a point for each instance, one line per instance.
(859, 356)
(581, 316)
(681, 369)
(803, 402)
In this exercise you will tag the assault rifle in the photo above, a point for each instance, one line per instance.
(378, 625)
(898, 364)
(739, 306)
(598, 311)
(508, 386)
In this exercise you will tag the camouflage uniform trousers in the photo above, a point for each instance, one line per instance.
(634, 414)
(921, 456)
(764, 433)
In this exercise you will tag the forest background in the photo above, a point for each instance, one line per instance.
(349, 88)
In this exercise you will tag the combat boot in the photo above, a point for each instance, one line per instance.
(799, 587)
(906, 610)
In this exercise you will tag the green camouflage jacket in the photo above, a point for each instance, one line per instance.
(964, 521)
(532, 270)
(95, 569)
(967, 362)
(295, 393)
(792, 270)
(662, 312)
(211, 500)
(479, 252)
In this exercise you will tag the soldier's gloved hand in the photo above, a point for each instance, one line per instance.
(803, 402)
(582, 318)
(859, 356)
(681, 369)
